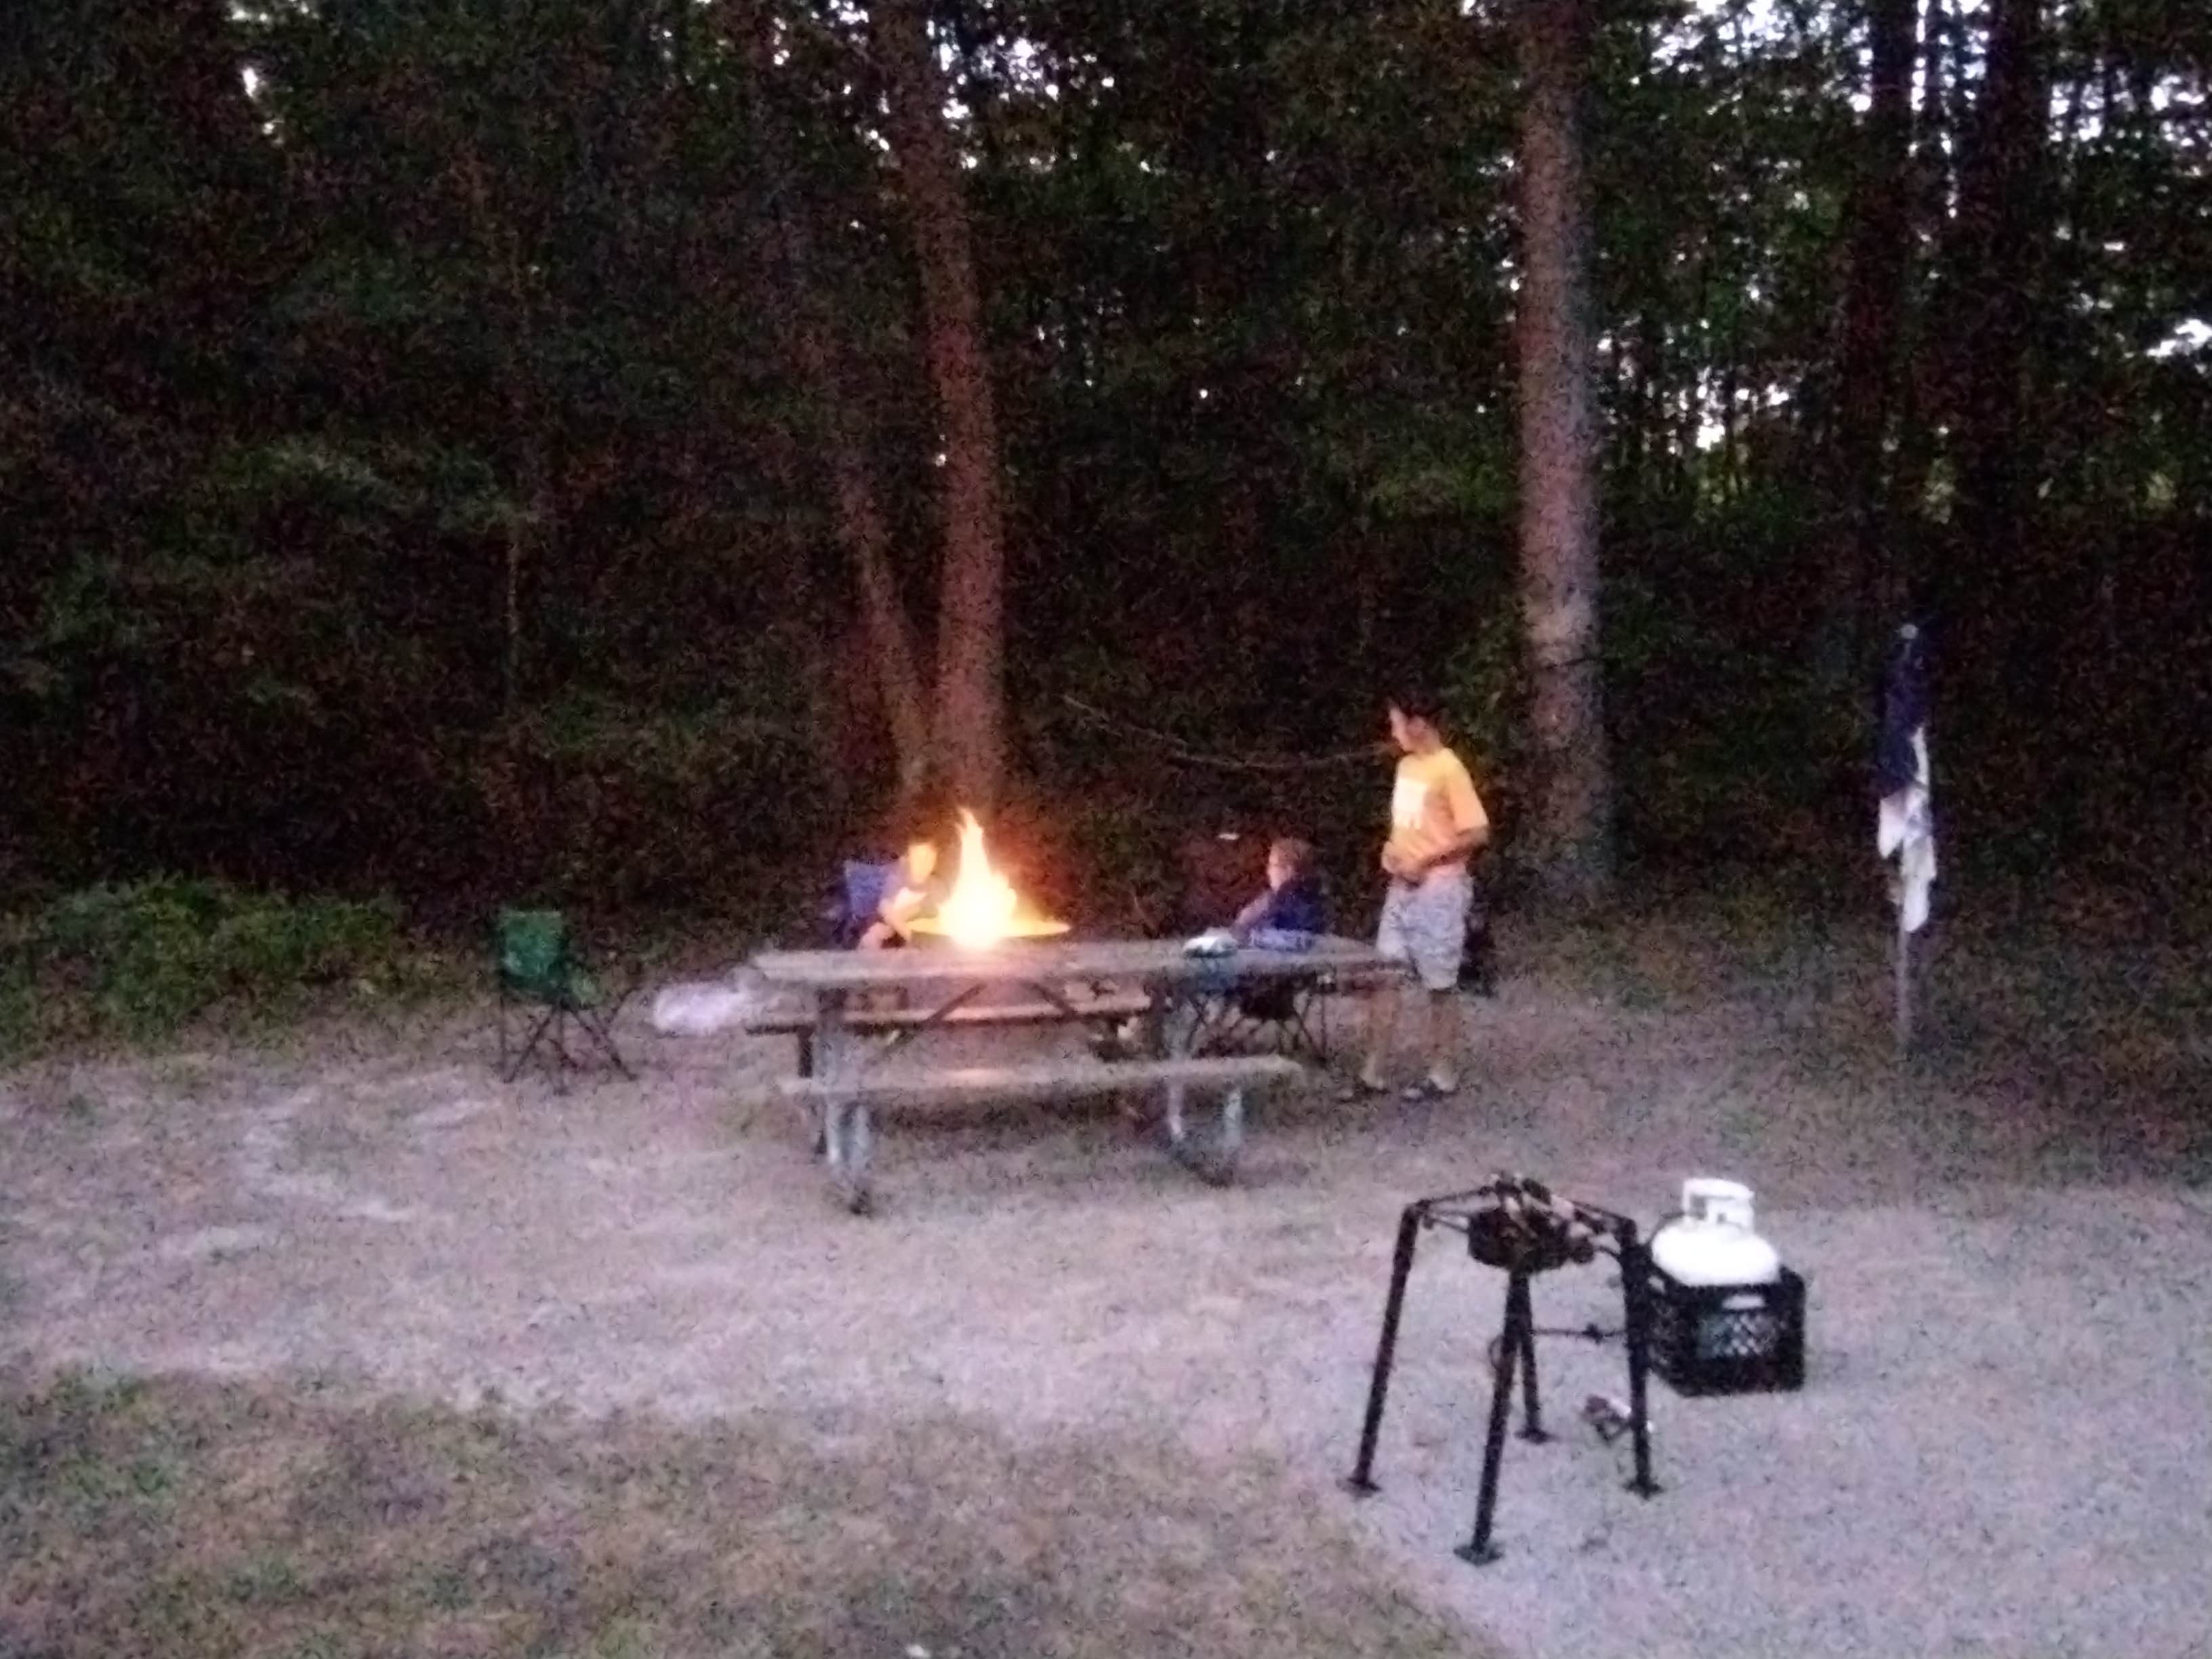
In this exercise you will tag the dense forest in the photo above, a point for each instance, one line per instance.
(618, 448)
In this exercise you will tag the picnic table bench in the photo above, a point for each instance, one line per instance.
(1084, 981)
(798, 1019)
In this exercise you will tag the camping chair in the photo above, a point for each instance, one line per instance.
(1286, 1015)
(860, 899)
(1477, 963)
(1221, 871)
(541, 974)
(1478, 967)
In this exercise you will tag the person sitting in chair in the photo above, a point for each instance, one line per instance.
(907, 894)
(1289, 916)
(1291, 912)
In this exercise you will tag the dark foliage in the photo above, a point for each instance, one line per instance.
(407, 487)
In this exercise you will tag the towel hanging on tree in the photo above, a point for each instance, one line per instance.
(1905, 822)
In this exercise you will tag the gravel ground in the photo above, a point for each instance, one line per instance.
(2002, 1446)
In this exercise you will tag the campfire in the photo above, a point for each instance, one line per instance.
(983, 909)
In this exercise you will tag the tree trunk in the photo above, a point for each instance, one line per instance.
(527, 528)
(1571, 816)
(1903, 571)
(2000, 240)
(1998, 244)
(860, 527)
(1874, 322)
(810, 340)
(529, 521)
(970, 741)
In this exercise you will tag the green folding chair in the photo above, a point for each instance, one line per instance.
(545, 980)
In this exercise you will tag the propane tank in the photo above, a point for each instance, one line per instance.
(1713, 1241)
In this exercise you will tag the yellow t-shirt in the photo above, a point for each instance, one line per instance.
(1433, 803)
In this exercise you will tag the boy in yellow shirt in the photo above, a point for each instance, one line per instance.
(1436, 824)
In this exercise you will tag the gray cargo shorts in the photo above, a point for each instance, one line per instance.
(1426, 926)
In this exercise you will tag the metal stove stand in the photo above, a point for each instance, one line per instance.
(1522, 1228)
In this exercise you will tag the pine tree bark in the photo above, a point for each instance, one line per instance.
(860, 527)
(971, 718)
(1920, 394)
(1859, 543)
(1570, 819)
(1998, 243)
(530, 524)
(810, 340)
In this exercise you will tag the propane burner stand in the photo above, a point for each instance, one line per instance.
(1522, 1228)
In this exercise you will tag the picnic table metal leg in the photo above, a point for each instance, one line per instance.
(848, 1136)
(1230, 1140)
(1162, 1042)
(1178, 1025)
(829, 1116)
(845, 1126)
(1177, 1037)
(812, 1051)
(859, 1137)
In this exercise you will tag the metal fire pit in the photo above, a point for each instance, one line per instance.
(1031, 927)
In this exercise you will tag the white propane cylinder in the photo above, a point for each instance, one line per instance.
(1711, 1242)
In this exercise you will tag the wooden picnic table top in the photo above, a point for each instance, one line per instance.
(1149, 961)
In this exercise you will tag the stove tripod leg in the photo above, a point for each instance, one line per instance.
(1378, 1387)
(1515, 1342)
(1636, 1300)
(1532, 1416)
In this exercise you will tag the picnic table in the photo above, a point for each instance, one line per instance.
(844, 1036)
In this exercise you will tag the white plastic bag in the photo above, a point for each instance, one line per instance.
(699, 1010)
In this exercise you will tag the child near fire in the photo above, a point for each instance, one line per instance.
(909, 892)
(1291, 910)
(1289, 914)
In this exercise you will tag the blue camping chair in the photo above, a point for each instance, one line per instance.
(861, 894)
(1285, 1013)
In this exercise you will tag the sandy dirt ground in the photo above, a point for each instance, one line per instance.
(2003, 1446)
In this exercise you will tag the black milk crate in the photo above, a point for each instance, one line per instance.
(1727, 1338)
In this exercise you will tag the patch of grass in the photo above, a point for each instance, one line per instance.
(141, 960)
(187, 1078)
(288, 1525)
(267, 1580)
(63, 1099)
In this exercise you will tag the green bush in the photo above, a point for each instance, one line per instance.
(139, 959)
(1124, 857)
(601, 803)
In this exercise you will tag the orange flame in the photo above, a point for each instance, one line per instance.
(980, 910)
